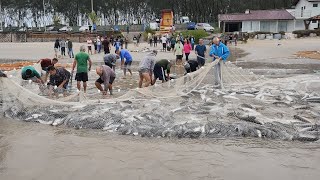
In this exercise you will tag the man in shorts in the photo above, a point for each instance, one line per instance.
(178, 51)
(107, 76)
(89, 44)
(110, 60)
(126, 61)
(159, 70)
(146, 67)
(81, 61)
(30, 73)
(59, 77)
(164, 43)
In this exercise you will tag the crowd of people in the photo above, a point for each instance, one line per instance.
(150, 70)
(63, 45)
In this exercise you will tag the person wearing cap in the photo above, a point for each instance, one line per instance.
(220, 53)
(107, 77)
(146, 67)
(159, 70)
(110, 60)
(30, 73)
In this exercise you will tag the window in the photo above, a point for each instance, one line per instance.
(314, 21)
(282, 26)
(315, 5)
(265, 26)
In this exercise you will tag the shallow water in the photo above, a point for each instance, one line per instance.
(35, 151)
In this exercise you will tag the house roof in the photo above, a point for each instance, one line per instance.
(257, 15)
(315, 18)
(297, 1)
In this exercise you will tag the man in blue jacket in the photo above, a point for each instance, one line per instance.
(220, 53)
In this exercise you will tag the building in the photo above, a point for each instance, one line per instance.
(305, 15)
(258, 20)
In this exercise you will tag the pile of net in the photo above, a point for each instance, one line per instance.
(188, 107)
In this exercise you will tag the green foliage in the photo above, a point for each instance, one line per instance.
(149, 30)
(303, 33)
(282, 33)
(93, 18)
(56, 20)
(146, 32)
(114, 34)
(197, 34)
(198, 11)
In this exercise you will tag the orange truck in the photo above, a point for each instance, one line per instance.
(166, 22)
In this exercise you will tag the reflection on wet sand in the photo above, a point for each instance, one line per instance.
(34, 151)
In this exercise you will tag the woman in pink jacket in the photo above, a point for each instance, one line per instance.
(187, 48)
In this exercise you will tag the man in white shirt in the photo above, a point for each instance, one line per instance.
(89, 44)
(164, 43)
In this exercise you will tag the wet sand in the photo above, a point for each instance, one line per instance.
(33, 151)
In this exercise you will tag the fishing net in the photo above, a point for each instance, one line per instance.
(188, 106)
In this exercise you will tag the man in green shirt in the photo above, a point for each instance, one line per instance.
(81, 61)
(30, 73)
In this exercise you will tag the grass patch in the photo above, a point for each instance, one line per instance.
(197, 34)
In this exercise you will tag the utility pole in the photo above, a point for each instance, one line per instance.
(1, 15)
(44, 14)
(91, 5)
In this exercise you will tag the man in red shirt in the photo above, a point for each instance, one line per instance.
(45, 63)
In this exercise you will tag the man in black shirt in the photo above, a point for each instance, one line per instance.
(59, 79)
(191, 66)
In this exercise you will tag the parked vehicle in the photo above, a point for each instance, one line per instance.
(184, 20)
(204, 26)
(154, 26)
(191, 26)
(66, 29)
(25, 29)
(84, 28)
(52, 28)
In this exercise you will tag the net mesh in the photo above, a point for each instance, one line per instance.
(189, 106)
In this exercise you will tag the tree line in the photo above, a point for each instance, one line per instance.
(115, 11)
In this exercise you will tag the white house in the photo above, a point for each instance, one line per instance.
(305, 9)
(257, 20)
(305, 16)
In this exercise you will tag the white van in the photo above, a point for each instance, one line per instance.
(154, 26)
(184, 20)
